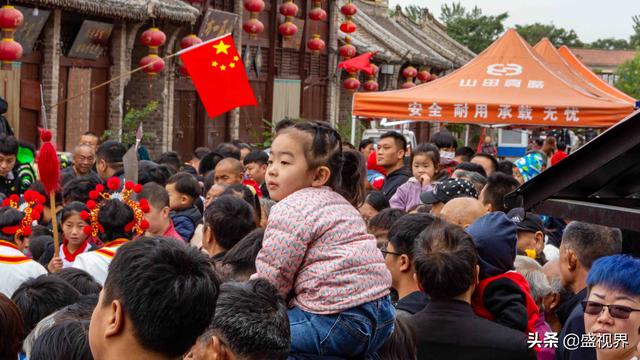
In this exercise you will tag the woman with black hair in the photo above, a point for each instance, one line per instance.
(15, 267)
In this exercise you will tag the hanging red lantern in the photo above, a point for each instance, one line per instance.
(408, 84)
(375, 70)
(287, 29)
(152, 63)
(423, 76)
(182, 70)
(433, 77)
(317, 13)
(254, 5)
(10, 50)
(316, 44)
(351, 83)
(253, 27)
(289, 9)
(189, 41)
(371, 85)
(153, 38)
(10, 18)
(348, 27)
(348, 51)
(409, 72)
(349, 9)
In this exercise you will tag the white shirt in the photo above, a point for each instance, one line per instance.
(16, 268)
(66, 263)
(97, 262)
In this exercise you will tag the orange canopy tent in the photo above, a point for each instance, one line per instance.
(595, 80)
(508, 83)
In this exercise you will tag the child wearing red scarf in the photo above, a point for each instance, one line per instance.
(75, 241)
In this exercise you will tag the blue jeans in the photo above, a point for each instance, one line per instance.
(356, 332)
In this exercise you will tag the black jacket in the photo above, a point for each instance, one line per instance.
(393, 181)
(411, 304)
(185, 222)
(450, 330)
(5, 128)
(575, 325)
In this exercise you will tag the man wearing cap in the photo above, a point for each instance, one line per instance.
(445, 191)
(530, 234)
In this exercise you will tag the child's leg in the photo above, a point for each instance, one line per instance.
(354, 332)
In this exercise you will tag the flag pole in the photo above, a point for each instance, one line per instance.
(133, 72)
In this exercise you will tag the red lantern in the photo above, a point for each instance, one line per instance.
(423, 76)
(153, 64)
(153, 38)
(189, 41)
(347, 51)
(433, 77)
(371, 85)
(287, 29)
(253, 26)
(182, 70)
(316, 44)
(351, 84)
(10, 50)
(349, 9)
(409, 72)
(408, 85)
(254, 5)
(10, 18)
(317, 14)
(375, 70)
(289, 9)
(348, 27)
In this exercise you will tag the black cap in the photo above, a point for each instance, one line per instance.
(449, 189)
(526, 221)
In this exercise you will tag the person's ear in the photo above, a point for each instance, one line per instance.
(207, 235)
(184, 199)
(116, 319)
(405, 263)
(321, 176)
(264, 167)
(555, 301)
(218, 350)
(539, 239)
(165, 211)
(572, 260)
(489, 207)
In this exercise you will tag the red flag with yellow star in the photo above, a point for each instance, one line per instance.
(217, 72)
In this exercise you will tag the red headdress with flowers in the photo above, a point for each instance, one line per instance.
(32, 209)
(139, 225)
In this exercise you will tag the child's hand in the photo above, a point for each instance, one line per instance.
(424, 179)
(55, 265)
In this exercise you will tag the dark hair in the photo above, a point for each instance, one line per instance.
(67, 340)
(247, 195)
(401, 345)
(41, 296)
(171, 159)
(80, 310)
(591, 242)
(39, 188)
(209, 181)
(9, 217)
(38, 245)
(72, 208)
(348, 169)
(111, 152)
(377, 200)
(114, 215)
(80, 280)
(230, 219)
(186, 184)
(208, 162)
(241, 144)
(386, 218)
(200, 152)
(78, 188)
(499, 185)
(364, 143)
(465, 152)
(469, 166)
(348, 145)
(429, 150)
(256, 156)
(251, 318)
(11, 329)
(443, 139)
(89, 133)
(8, 145)
(228, 150)
(242, 257)
(161, 283)
(494, 162)
(505, 167)
(148, 171)
(155, 194)
(406, 229)
(401, 142)
(283, 124)
(445, 260)
(561, 145)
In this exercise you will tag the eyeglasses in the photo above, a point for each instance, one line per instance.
(616, 311)
(385, 252)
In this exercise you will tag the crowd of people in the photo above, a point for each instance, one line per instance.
(309, 250)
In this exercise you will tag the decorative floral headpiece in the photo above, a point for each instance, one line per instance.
(141, 207)
(32, 209)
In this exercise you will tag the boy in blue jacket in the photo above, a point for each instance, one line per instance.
(184, 189)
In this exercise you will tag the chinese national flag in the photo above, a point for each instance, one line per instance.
(217, 71)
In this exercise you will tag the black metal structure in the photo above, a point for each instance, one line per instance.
(599, 183)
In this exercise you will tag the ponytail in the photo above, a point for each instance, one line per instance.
(353, 174)
(9, 217)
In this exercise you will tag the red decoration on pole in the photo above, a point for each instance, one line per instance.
(288, 9)
(49, 170)
(10, 19)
